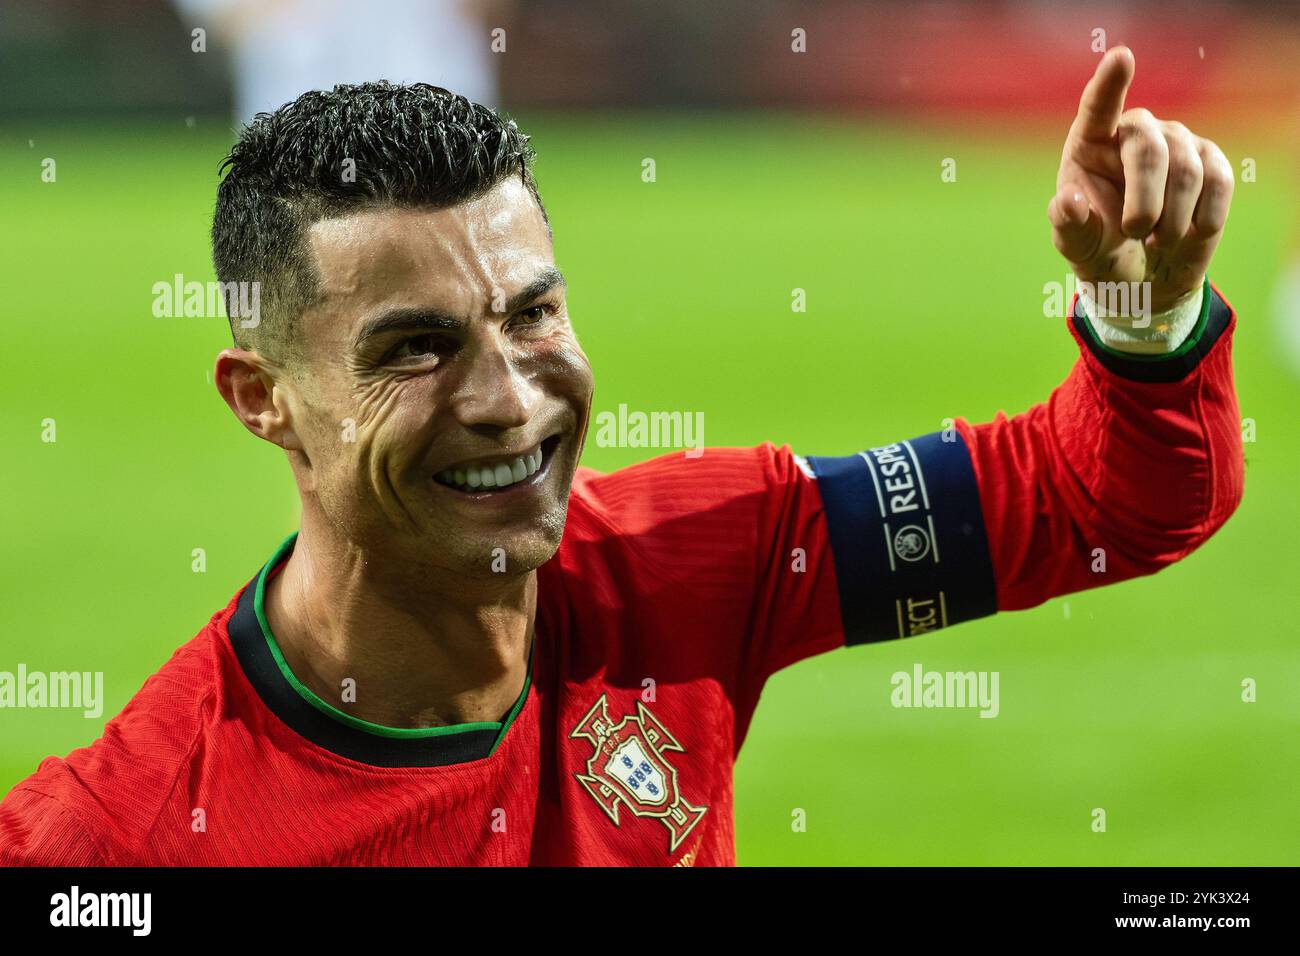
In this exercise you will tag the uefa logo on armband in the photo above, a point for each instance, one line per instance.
(911, 543)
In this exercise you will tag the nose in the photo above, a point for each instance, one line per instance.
(494, 393)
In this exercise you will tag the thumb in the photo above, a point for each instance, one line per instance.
(1076, 226)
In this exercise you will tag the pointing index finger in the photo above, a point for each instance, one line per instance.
(1102, 103)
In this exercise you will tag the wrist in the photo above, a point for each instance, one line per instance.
(1159, 332)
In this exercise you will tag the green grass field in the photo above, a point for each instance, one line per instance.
(924, 302)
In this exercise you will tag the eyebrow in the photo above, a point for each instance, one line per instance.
(548, 279)
(420, 318)
(407, 319)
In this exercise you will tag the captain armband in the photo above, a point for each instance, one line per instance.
(907, 535)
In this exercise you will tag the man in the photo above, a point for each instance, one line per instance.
(475, 651)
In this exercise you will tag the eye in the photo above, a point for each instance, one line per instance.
(534, 314)
(416, 347)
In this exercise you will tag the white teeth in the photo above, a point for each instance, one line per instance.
(494, 476)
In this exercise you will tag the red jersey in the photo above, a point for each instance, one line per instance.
(681, 584)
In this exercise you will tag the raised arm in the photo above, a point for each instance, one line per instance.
(1131, 463)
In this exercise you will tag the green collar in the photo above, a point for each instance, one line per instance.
(327, 725)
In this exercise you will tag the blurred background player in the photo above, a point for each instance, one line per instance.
(278, 48)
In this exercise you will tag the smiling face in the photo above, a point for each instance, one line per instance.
(441, 397)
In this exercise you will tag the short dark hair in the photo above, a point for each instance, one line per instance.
(332, 153)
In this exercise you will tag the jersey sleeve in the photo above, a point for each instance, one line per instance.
(1130, 464)
(37, 830)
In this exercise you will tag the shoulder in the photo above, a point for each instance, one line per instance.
(97, 804)
(701, 523)
(716, 486)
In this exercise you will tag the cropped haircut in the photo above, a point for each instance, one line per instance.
(329, 154)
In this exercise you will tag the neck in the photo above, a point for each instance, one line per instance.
(425, 648)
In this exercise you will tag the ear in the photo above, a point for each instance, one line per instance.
(253, 389)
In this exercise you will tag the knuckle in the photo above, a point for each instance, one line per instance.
(1217, 184)
(1144, 144)
(1150, 154)
(1219, 176)
(1181, 142)
(1186, 172)
(1210, 147)
(1215, 161)
(1140, 218)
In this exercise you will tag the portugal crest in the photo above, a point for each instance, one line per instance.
(628, 767)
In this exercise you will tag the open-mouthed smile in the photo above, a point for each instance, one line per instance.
(499, 472)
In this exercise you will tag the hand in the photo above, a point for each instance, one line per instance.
(1137, 199)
